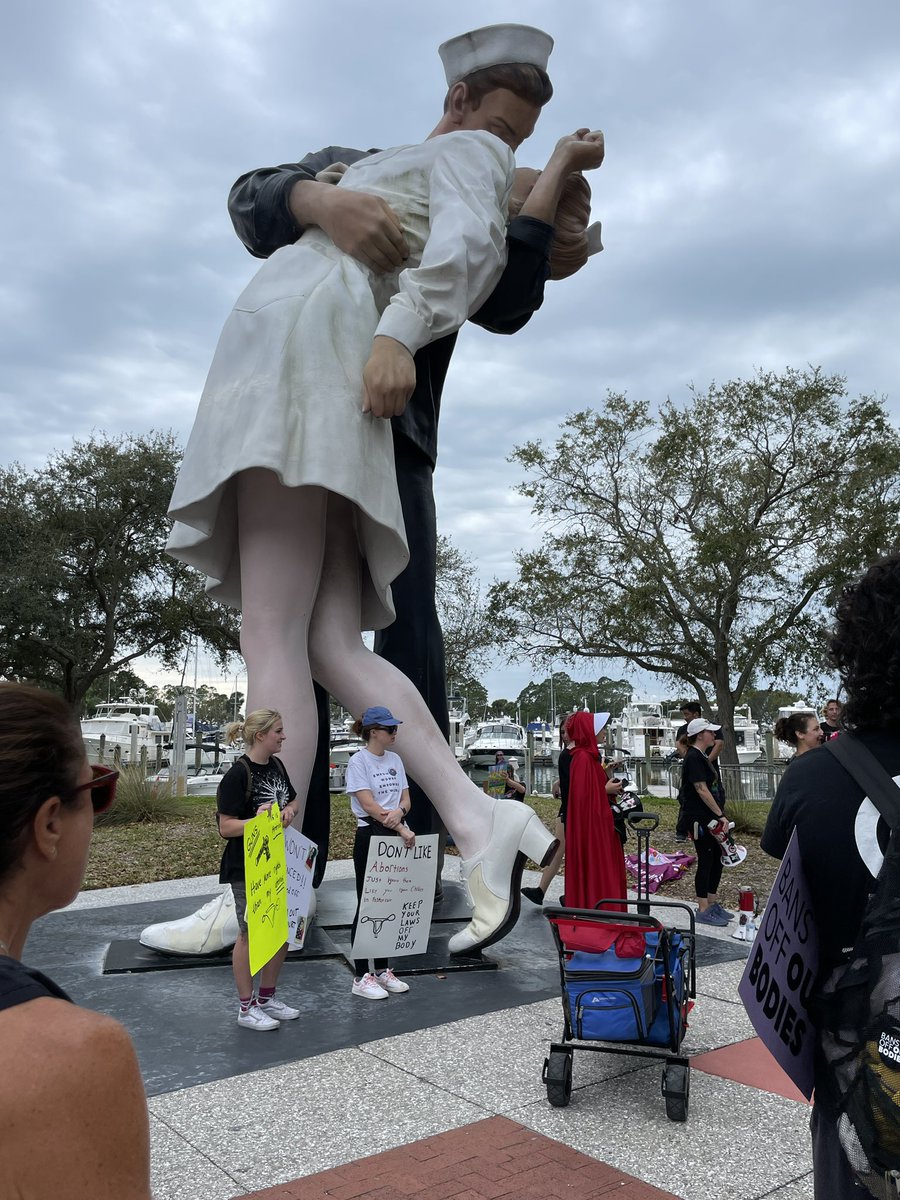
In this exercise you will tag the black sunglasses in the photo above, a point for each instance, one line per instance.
(102, 787)
(386, 728)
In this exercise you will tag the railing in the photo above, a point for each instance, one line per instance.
(148, 762)
(749, 781)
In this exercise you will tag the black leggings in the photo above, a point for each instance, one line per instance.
(709, 866)
(364, 835)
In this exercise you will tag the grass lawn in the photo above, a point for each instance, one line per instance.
(189, 844)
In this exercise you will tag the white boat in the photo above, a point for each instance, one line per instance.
(746, 734)
(490, 736)
(344, 744)
(459, 719)
(642, 730)
(127, 724)
(544, 742)
(746, 731)
(199, 781)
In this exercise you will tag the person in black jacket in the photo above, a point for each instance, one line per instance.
(840, 835)
(270, 208)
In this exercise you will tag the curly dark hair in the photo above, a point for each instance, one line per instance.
(787, 729)
(41, 753)
(865, 647)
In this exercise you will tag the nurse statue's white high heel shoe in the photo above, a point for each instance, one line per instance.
(492, 877)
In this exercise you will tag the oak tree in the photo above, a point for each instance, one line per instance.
(705, 543)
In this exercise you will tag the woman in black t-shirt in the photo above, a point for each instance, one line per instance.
(255, 782)
(699, 805)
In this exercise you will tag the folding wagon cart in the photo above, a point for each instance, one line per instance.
(627, 982)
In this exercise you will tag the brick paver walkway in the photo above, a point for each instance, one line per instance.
(490, 1159)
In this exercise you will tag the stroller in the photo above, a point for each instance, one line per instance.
(627, 981)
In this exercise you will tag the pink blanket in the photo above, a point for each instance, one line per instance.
(662, 867)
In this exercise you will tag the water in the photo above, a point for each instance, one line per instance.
(542, 778)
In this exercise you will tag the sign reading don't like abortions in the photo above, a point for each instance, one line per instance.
(397, 898)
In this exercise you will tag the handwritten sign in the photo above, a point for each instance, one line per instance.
(397, 898)
(496, 781)
(778, 980)
(266, 873)
(301, 856)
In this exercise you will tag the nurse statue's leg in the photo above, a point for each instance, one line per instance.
(281, 534)
(493, 836)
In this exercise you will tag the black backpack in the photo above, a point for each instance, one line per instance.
(279, 766)
(858, 1008)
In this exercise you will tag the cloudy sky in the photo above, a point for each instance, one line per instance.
(750, 202)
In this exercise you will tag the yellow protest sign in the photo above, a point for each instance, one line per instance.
(266, 873)
(496, 781)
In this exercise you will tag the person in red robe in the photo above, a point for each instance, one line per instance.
(595, 863)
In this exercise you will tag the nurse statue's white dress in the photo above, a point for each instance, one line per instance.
(284, 390)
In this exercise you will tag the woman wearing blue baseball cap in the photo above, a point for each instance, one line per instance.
(379, 798)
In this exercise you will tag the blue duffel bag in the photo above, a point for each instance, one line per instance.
(612, 999)
(660, 1031)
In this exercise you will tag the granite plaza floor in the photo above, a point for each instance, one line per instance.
(436, 1093)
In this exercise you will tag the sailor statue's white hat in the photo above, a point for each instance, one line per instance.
(494, 46)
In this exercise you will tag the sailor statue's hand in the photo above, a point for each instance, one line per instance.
(363, 226)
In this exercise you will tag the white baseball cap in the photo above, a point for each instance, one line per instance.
(698, 725)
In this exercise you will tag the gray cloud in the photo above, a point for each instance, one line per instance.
(750, 202)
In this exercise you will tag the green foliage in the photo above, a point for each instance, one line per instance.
(114, 686)
(213, 707)
(535, 701)
(468, 634)
(474, 694)
(765, 702)
(749, 816)
(705, 543)
(85, 584)
(140, 801)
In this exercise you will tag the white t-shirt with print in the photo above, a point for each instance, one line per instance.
(380, 774)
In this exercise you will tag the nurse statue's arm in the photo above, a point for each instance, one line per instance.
(469, 183)
(520, 290)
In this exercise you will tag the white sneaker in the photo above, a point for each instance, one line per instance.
(255, 1018)
(275, 1008)
(369, 988)
(391, 983)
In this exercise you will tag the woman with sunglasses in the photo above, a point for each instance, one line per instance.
(379, 798)
(73, 1117)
